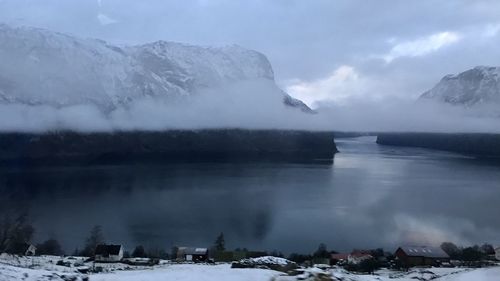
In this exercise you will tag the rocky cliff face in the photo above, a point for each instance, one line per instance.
(477, 86)
(40, 67)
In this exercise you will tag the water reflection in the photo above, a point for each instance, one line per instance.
(372, 196)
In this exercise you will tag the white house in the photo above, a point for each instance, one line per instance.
(30, 250)
(497, 253)
(108, 253)
(191, 254)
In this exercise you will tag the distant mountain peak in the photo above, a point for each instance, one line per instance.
(59, 70)
(479, 85)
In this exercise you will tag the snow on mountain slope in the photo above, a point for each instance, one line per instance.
(477, 86)
(193, 66)
(41, 67)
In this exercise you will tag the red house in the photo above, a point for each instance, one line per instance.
(421, 255)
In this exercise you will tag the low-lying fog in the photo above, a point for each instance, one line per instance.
(249, 104)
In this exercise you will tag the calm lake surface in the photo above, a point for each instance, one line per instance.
(371, 196)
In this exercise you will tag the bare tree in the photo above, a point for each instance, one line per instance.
(15, 233)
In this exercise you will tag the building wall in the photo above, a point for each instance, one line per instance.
(415, 261)
(30, 251)
(402, 256)
(199, 258)
(111, 258)
(418, 261)
(195, 258)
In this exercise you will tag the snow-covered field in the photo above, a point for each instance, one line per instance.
(45, 268)
(185, 272)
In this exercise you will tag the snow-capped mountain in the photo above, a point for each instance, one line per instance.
(477, 86)
(41, 67)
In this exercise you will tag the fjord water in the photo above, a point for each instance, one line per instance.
(370, 196)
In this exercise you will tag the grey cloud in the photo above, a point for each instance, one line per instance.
(304, 40)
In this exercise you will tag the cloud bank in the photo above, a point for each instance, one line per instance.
(248, 104)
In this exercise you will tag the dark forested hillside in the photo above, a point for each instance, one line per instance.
(174, 145)
(484, 145)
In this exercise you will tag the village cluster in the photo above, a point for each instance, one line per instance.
(365, 261)
(97, 256)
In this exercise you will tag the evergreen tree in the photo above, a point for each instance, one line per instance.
(452, 250)
(220, 243)
(95, 238)
(472, 253)
(139, 252)
(321, 252)
(49, 247)
(173, 252)
(487, 249)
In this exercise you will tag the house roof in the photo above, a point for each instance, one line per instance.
(424, 251)
(104, 249)
(193, 251)
(360, 255)
(21, 248)
(340, 256)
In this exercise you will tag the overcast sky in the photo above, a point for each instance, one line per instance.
(336, 50)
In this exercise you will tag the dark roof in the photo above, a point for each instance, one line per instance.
(424, 251)
(19, 248)
(193, 251)
(104, 249)
(339, 256)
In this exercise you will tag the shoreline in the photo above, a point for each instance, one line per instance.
(473, 144)
(218, 145)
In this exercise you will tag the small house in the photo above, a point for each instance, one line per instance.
(354, 257)
(30, 250)
(335, 258)
(23, 249)
(497, 253)
(108, 253)
(358, 257)
(421, 255)
(191, 254)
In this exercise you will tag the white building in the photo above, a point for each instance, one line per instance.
(497, 253)
(191, 254)
(30, 250)
(108, 253)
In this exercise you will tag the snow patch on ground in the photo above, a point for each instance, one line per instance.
(270, 260)
(185, 272)
(46, 268)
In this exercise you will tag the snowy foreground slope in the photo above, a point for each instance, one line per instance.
(45, 268)
(477, 86)
(192, 272)
(41, 67)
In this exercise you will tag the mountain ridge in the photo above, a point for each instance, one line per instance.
(477, 86)
(58, 70)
